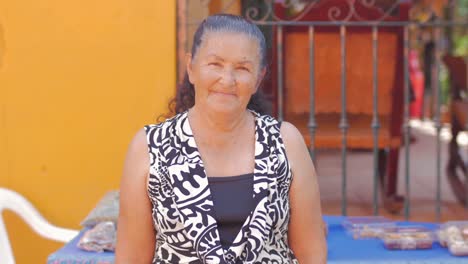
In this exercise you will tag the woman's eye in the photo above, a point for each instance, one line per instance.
(243, 68)
(217, 64)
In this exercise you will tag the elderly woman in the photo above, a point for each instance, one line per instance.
(220, 182)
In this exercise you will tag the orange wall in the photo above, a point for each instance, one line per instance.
(78, 79)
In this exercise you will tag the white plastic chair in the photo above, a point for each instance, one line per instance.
(15, 202)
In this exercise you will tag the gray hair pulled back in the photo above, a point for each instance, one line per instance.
(230, 24)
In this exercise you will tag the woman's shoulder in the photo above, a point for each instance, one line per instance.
(168, 122)
(286, 128)
(266, 119)
(292, 138)
(159, 134)
(288, 131)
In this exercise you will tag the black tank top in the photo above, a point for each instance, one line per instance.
(233, 202)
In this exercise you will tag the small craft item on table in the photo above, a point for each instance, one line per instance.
(100, 238)
(454, 236)
(366, 226)
(407, 237)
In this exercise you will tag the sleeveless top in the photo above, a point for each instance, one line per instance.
(233, 202)
(182, 203)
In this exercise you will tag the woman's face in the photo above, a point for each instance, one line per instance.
(225, 71)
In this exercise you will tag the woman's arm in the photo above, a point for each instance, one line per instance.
(135, 232)
(306, 233)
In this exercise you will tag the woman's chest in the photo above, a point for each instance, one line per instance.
(232, 160)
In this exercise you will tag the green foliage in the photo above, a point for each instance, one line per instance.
(461, 45)
(462, 8)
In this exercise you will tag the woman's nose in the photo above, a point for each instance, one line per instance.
(228, 77)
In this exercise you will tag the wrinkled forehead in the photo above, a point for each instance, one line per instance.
(230, 43)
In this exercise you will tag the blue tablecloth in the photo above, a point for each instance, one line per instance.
(342, 249)
(71, 254)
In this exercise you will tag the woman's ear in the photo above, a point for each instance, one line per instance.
(261, 76)
(188, 66)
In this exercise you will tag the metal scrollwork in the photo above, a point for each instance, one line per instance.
(259, 11)
(335, 13)
(270, 15)
(372, 4)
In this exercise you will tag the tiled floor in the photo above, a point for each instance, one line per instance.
(423, 179)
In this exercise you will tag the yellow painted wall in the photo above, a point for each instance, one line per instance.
(78, 79)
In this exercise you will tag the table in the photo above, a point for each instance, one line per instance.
(342, 249)
(71, 254)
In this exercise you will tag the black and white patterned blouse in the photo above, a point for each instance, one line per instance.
(183, 210)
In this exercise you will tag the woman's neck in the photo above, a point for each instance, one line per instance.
(218, 130)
